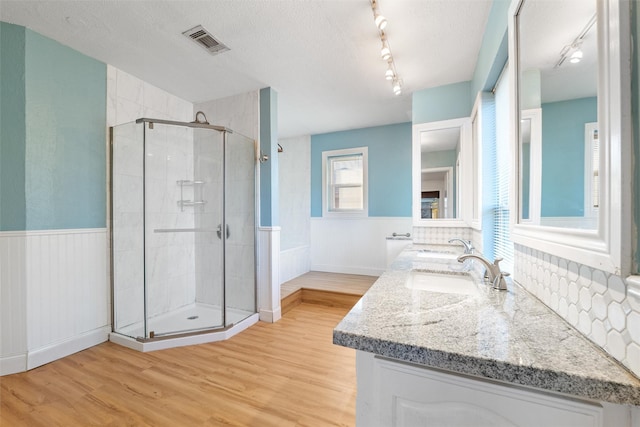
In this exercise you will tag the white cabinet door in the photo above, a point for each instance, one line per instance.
(397, 394)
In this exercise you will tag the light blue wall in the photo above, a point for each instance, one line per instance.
(12, 128)
(389, 154)
(269, 199)
(53, 135)
(441, 103)
(494, 50)
(66, 137)
(563, 142)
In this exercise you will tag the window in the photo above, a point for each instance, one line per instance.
(503, 246)
(344, 177)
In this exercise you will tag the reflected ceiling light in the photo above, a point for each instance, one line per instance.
(573, 51)
(385, 52)
(576, 56)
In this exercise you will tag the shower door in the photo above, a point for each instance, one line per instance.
(183, 233)
(184, 254)
(240, 224)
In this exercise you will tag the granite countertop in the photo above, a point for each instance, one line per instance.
(500, 335)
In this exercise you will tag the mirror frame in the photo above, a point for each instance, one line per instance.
(535, 161)
(464, 123)
(609, 247)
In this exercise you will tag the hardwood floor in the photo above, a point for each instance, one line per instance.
(286, 373)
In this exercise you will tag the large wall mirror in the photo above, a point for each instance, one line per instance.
(439, 179)
(558, 89)
(573, 143)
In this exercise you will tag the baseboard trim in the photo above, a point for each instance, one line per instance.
(67, 347)
(271, 316)
(13, 364)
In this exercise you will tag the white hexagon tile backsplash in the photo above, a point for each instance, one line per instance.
(591, 300)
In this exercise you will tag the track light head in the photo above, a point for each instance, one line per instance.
(385, 53)
(397, 87)
(380, 21)
(390, 74)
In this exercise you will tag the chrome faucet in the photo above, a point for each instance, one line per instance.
(468, 246)
(493, 273)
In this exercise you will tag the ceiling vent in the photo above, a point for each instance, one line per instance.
(203, 38)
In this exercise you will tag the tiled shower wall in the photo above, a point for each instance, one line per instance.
(208, 170)
(129, 98)
(240, 113)
(240, 217)
(294, 164)
(127, 240)
(593, 301)
(170, 259)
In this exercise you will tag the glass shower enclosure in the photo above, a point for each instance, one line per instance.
(183, 198)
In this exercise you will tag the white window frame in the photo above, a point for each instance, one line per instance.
(326, 212)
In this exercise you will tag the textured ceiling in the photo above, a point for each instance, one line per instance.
(321, 56)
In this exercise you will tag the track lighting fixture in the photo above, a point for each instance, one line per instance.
(385, 52)
(573, 51)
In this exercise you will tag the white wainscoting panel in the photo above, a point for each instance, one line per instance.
(13, 297)
(66, 305)
(269, 274)
(294, 262)
(353, 245)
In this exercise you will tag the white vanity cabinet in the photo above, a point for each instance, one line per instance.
(393, 393)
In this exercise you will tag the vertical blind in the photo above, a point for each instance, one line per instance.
(503, 246)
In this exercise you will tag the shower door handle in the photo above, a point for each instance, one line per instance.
(219, 231)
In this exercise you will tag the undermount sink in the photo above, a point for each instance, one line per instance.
(444, 283)
(437, 255)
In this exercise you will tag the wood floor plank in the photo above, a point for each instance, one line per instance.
(286, 373)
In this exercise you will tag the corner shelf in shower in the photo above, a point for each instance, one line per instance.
(183, 203)
(188, 183)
